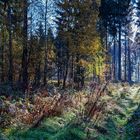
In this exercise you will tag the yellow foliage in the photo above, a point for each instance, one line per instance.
(83, 63)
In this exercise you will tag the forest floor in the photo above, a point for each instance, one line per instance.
(103, 113)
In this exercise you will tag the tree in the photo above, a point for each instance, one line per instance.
(113, 15)
(46, 61)
(76, 23)
(10, 72)
(38, 54)
(50, 54)
(25, 48)
(7, 6)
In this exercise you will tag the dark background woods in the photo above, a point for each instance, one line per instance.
(68, 42)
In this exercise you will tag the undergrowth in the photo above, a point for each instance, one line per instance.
(118, 119)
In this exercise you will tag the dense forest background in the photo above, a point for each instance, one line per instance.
(58, 48)
(68, 42)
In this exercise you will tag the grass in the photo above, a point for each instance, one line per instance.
(119, 125)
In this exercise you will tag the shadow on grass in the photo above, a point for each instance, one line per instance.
(55, 129)
(133, 126)
(43, 133)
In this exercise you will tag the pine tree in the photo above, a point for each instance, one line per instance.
(113, 17)
(77, 25)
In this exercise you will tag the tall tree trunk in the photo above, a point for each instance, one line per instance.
(119, 54)
(129, 63)
(58, 76)
(2, 63)
(107, 47)
(138, 72)
(66, 71)
(46, 60)
(59, 64)
(30, 50)
(72, 71)
(25, 49)
(114, 59)
(125, 63)
(138, 66)
(98, 65)
(106, 39)
(10, 70)
(135, 59)
(94, 73)
(65, 76)
(0, 55)
(37, 74)
(77, 73)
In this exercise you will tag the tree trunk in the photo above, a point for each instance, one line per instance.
(129, 64)
(2, 63)
(10, 70)
(114, 60)
(77, 73)
(37, 74)
(30, 50)
(46, 61)
(119, 54)
(138, 72)
(99, 80)
(94, 73)
(125, 63)
(65, 76)
(135, 59)
(66, 72)
(25, 49)
(58, 76)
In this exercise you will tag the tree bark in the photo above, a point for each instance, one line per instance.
(114, 60)
(46, 60)
(119, 54)
(125, 65)
(66, 72)
(129, 64)
(10, 70)
(25, 49)
(2, 63)
(58, 76)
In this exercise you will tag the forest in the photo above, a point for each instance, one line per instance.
(69, 69)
